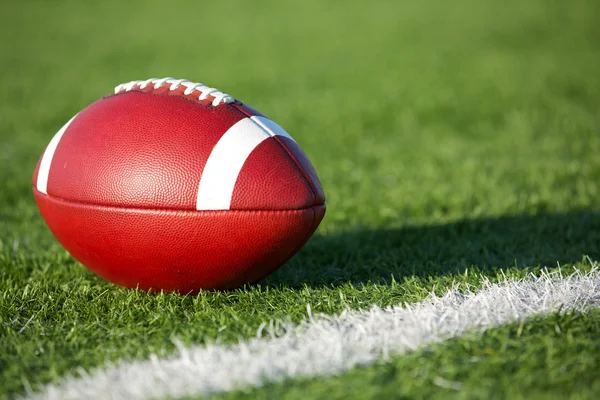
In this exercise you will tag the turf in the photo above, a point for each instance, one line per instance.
(452, 142)
(522, 361)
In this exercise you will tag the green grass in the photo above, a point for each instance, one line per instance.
(453, 142)
(521, 361)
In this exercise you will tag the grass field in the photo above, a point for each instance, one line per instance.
(453, 143)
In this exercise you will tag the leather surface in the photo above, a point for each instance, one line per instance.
(175, 250)
(295, 153)
(301, 160)
(149, 151)
(122, 189)
(269, 167)
(137, 150)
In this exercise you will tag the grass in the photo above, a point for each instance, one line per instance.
(522, 361)
(452, 142)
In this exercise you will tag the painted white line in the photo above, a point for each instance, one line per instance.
(327, 345)
(44, 171)
(227, 159)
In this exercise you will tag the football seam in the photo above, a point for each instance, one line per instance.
(165, 209)
(289, 154)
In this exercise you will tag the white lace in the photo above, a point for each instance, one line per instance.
(205, 91)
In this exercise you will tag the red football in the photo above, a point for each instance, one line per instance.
(173, 185)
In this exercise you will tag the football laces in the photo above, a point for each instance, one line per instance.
(190, 87)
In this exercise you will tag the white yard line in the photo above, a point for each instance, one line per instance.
(327, 345)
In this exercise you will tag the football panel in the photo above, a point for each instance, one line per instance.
(269, 179)
(254, 275)
(294, 151)
(306, 166)
(181, 251)
(138, 150)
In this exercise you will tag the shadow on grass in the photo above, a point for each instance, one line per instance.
(488, 244)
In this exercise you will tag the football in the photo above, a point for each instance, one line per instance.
(172, 185)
